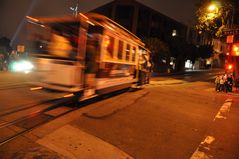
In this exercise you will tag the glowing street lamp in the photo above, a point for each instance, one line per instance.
(212, 7)
(212, 12)
(215, 9)
(229, 66)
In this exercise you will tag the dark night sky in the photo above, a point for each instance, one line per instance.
(13, 11)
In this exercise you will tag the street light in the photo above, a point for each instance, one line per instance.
(218, 9)
(213, 11)
(212, 7)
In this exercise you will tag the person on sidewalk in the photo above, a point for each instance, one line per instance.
(222, 82)
(217, 83)
(229, 83)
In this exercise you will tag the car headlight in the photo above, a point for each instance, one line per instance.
(22, 66)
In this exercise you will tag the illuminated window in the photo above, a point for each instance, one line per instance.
(109, 44)
(133, 53)
(120, 49)
(127, 51)
(174, 32)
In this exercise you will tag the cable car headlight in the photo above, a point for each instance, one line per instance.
(22, 66)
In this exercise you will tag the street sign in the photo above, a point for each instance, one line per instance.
(230, 39)
(20, 48)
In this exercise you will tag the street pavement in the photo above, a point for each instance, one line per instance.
(15, 92)
(169, 118)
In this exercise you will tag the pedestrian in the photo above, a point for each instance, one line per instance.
(222, 82)
(229, 83)
(226, 86)
(217, 83)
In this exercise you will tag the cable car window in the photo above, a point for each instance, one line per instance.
(133, 53)
(120, 50)
(60, 40)
(109, 44)
(127, 51)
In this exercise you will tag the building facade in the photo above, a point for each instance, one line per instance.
(142, 20)
(146, 22)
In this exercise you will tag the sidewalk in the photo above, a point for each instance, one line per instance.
(155, 74)
(63, 139)
(165, 81)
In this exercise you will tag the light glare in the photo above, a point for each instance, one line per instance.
(212, 7)
(22, 66)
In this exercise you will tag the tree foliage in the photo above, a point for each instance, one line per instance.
(156, 46)
(5, 47)
(159, 50)
(212, 22)
(181, 51)
(205, 51)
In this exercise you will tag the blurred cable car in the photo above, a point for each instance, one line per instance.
(89, 54)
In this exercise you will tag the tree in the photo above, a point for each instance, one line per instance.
(212, 17)
(205, 51)
(191, 52)
(160, 51)
(179, 49)
(5, 47)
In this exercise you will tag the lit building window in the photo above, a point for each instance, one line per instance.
(174, 32)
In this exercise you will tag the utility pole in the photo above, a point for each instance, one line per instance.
(75, 9)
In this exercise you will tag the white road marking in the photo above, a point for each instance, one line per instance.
(208, 140)
(35, 88)
(225, 108)
(204, 147)
(68, 95)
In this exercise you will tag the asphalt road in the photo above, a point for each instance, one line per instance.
(16, 93)
(174, 117)
(166, 121)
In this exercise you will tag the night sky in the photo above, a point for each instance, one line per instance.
(13, 11)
